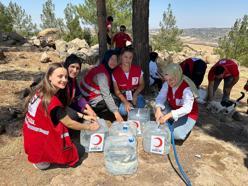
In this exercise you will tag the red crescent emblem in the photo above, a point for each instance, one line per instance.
(160, 142)
(99, 140)
(137, 124)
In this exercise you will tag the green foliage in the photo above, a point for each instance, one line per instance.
(235, 44)
(121, 10)
(48, 17)
(168, 36)
(22, 23)
(6, 21)
(73, 27)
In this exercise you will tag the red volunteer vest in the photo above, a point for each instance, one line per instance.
(88, 79)
(133, 80)
(189, 62)
(230, 66)
(176, 102)
(44, 142)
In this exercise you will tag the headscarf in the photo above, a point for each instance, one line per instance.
(175, 70)
(71, 59)
(107, 55)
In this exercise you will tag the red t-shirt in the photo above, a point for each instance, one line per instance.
(120, 39)
(230, 66)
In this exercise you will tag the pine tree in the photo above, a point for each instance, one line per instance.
(22, 22)
(74, 29)
(48, 17)
(168, 36)
(235, 44)
(121, 11)
(6, 21)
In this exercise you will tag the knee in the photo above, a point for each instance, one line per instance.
(180, 134)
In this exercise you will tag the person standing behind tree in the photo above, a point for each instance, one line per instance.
(226, 69)
(109, 22)
(120, 38)
(128, 82)
(195, 69)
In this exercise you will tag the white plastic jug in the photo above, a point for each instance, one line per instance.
(139, 116)
(125, 128)
(120, 155)
(93, 141)
(156, 138)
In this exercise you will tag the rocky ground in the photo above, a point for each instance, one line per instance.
(215, 153)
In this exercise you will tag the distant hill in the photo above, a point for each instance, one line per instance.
(207, 36)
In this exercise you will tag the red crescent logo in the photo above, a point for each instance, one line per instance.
(160, 142)
(137, 124)
(99, 139)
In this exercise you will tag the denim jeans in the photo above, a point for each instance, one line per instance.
(140, 104)
(182, 126)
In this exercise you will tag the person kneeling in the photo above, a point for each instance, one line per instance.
(176, 100)
(45, 129)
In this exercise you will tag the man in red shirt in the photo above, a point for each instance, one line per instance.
(120, 38)
(226, 69)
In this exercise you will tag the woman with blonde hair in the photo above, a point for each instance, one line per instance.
(176, 100)
(45, 129)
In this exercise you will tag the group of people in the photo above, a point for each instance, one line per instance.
(110, 90)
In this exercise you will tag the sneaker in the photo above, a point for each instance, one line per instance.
(42, 165)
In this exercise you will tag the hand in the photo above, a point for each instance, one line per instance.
(163, 119)
(93, 126)
(158, 114)
(89, 118)
(128, 106)
(89, 111)
(118, 117)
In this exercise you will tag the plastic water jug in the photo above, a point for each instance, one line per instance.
(125, 128)
(140, 116)
(156, 138)
(120, 154)
(93, 141)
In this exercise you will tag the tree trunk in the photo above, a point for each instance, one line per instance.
(102, 32)
(141, 36)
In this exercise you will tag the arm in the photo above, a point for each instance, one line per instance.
(121, 97)
(160, 100)
(107, 97)
(186, 108)
(210, 91)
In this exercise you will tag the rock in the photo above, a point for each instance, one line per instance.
(77, 44)
(45, 58)
(2, 55)
(14, 128)
(48, 32)
(36, 42)
(17, 38)
(61, 46)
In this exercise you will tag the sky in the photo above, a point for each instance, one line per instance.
(188, 13)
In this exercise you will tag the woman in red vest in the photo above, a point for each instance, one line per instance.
(45, 129)
(176, 100)
(128, 82)
(97, 87)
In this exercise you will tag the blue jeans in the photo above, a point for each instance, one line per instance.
(140, 104)
(182, 126)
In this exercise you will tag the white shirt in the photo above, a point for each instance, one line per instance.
(153, 69)
(188, 100)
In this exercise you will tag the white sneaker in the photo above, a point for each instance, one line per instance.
(42, 165)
